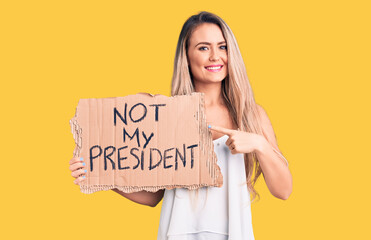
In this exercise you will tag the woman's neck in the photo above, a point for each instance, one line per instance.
(213, 93)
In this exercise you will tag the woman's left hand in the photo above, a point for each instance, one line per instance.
(240, 141)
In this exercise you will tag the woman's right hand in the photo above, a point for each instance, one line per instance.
(77, 167)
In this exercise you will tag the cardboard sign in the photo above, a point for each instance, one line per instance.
(145, 142)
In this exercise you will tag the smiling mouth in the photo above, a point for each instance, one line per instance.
(214, 68)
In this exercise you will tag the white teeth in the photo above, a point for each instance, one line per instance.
(214, 67)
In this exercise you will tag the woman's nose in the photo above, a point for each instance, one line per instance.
(214, 55)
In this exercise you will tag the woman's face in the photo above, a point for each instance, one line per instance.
(207, 54)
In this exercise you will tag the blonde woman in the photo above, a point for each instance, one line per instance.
(208, 60)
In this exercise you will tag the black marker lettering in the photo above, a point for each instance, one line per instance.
(116, 113)
(165, 157)
(144, 112)
(107, 156)
(182, 158)
(136, 156)
(131, 137)
(91, 157)
(191, 147)
(156, 109)
(142, 161)
(150, 158)
(147, 139)
(119, 158)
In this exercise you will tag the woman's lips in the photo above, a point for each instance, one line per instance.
(214, 68)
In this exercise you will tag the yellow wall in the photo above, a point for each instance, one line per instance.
(309, 66)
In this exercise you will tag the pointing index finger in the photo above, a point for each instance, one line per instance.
(226, 131)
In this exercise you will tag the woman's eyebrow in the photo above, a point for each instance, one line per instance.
(207, 43)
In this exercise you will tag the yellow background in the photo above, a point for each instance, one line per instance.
(309, 66)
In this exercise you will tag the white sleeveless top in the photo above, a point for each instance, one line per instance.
(216, 213)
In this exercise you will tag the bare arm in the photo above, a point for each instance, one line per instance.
(143, 197)
(274, 166)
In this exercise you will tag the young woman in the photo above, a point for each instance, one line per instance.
(208, 60)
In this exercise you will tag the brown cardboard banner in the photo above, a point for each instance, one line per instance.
(145, 142)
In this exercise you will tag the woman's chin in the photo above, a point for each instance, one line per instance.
(210, 80)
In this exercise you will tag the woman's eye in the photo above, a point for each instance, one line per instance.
(222, 47)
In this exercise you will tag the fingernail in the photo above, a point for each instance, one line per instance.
(209, 126)
(83, 164)
(83, 176)
(85, 170)
(81, 159)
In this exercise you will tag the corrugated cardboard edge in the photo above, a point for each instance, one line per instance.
(214, 169)
(76, 131)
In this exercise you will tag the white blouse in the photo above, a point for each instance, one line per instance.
(216, 213)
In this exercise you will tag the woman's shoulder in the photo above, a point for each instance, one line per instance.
(267, 125)
(262, 114)
(260, 108)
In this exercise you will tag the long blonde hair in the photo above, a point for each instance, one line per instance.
(236, 89)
